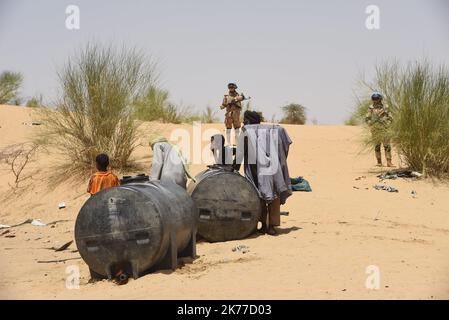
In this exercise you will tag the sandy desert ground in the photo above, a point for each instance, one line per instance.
(324, 247)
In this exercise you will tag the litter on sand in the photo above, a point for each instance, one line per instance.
(57, 261)
(37, 223)
(240, 248)
(284, 213)
(377, 215)
(61, 205)
(386, 188)
(33, 123)
(300, 184)
(414, 194)
(4, 226)
(358, 188)
(63, 247)
(399, 174)
(34, 222)
(55, 222)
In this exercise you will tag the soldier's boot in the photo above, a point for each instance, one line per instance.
(228, 136)
(379, 162)
(378, 155)
(237, 134)
(388, 155)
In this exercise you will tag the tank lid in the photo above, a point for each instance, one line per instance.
(142, 177)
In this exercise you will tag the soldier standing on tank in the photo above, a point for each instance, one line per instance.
(233, 104)
(379, 119)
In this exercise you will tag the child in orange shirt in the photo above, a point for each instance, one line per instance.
(103, 178)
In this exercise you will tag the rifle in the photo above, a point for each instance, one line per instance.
(242, 95)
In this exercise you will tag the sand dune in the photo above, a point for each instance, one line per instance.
(324, 247)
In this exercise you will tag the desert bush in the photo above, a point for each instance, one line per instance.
(192, 116)
(154, 105)
(418, 96)
(180, 114)
(171, 114)
(17, 157)
(16, 101)
(357, 116)
(176, 114)
(10, 83)
(35, 102)
(95, 112)
(209, 115)
(294, 114)
(352, 120)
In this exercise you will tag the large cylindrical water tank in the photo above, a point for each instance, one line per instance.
(228, 204)
(136, 226)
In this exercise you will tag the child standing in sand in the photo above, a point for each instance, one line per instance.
(103, 178)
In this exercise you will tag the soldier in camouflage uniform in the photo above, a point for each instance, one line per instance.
(378, 119)
(233, 104)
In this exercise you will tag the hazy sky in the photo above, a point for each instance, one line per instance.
(310, 52)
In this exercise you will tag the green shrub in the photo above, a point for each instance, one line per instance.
(35, 102)
(357, 117)
(10, 83)
(95, 112)
(154, 105)
(418, 97)
(209, 115)
(294, 114)
(180, 114)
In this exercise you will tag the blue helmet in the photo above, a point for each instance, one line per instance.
(376, 96)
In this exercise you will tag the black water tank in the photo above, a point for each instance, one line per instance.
(135, 227)
(228, 204)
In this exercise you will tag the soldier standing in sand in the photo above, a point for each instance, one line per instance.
(233, 104)
(379, 119)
